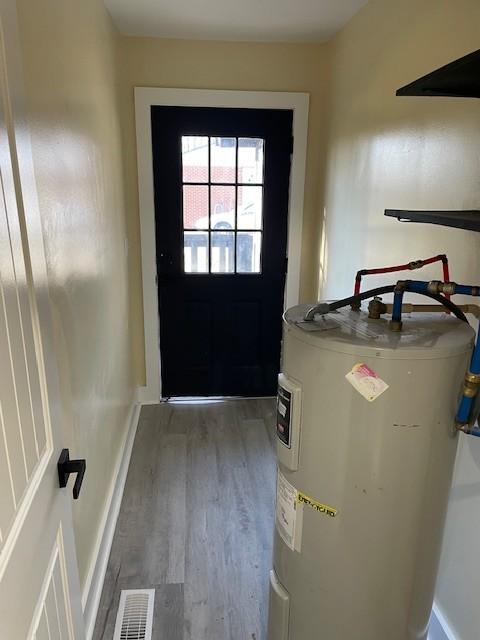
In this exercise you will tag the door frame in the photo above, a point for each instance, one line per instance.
(145, 98)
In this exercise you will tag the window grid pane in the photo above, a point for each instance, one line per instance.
(196, 251)
(223, 221)
(250, 163)
(195, 159)
(223, 159)
(195, 206)
(222, 252)
(249, 249)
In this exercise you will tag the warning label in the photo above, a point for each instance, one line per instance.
(286, 511)
(289, 512)
(317, 506)
(284, 413)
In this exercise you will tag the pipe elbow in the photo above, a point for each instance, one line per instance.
(319, 309)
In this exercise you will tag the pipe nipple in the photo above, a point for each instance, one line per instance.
(437, 286)
(448, 288)
(471, 384)
(396, 325)
(434, 286)
(473, 378)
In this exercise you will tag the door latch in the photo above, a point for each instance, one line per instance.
(66, 467)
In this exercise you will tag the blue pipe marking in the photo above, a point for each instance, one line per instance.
(475, 361)
(397, 306)
(465, 289)
(419, 286)
(464, 410)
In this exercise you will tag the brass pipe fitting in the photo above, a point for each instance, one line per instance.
(408, 307)
(474, 309)
(376, 307)
(396, 325)
(474, 378)
(470, 390)
(437, 286)
(448, 288)
(434, 286)
(415, 264)
(471, 384)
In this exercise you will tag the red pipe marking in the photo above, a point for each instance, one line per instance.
(404, 267)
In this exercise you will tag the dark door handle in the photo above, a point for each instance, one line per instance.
(66, 467)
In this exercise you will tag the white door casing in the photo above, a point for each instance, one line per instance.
(39, 586)
(145, 98)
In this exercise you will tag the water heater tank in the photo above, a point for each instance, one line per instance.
(366, 448)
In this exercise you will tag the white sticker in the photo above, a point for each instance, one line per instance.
(286, 510)
(366, 381)
(282, 409)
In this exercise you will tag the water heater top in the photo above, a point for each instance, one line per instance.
(424, 335)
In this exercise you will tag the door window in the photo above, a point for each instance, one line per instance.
(222, 196)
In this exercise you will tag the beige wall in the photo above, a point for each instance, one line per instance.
(382, 152)
(69, 62)
(391, 152)
(221, 65)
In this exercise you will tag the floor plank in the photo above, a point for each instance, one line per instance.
(196, 521)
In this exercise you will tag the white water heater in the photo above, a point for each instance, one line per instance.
(366, 447)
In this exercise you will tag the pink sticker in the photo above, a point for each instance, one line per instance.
(366, 381)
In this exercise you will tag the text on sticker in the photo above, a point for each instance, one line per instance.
(317, 506)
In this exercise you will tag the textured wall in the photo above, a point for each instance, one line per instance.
(69, 62)
(221, 65)
(391, 152)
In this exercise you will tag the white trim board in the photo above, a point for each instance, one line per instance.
(145, 98)
(439, 628)
(92, 591)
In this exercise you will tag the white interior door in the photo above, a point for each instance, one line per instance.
(39, 588)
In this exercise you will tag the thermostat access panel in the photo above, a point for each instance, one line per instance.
(288, 422)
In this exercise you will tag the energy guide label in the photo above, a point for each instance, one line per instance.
(289, 511)
(287, 518)
(286, 510)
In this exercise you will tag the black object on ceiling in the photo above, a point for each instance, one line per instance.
(469, 219)
(460, 79)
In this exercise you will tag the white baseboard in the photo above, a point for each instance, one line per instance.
(96, 575)
(439, 628)
(146, 395)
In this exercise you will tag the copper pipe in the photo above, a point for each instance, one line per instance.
(473, 309)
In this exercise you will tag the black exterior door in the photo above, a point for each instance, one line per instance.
(221, 181)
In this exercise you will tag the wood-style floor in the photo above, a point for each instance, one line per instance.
(196, 521)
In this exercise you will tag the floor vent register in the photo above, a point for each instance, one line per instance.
(135, 615)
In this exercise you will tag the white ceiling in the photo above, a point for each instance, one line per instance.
(260, 20)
